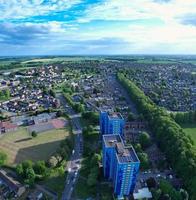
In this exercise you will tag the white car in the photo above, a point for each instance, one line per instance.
(76, 173)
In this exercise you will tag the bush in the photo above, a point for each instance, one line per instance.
(34, 134)
(30, 171)
(91, 117)
(3, 158)
(145, 164)
(144, 140)
(151, 183)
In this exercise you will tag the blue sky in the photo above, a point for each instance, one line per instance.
(71, 27)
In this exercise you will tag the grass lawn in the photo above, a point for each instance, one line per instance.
(21, 146)
(190, 129)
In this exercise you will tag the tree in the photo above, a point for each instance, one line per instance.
(156, 194)
(27, 164)
(91, 117)
(45, 91)
(64, 150)
(7, 93)
(144, 160)
(40, 168)
(92, 177)
(3, 158)
(67, 89)
(30, 176)
(19, 170)
(184, 194)
(95, 159)
(144, 140)
(52, 93)
(25, 171)
(167, 189)
(165, 197)
(131, 117)
(151, 183)
(30, 171)
(138, 148)
(59, 113)
(34, 134)
(78, 107)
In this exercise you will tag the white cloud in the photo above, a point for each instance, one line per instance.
(168, 37)
(12, 9)
(116, 10)
(138, 9)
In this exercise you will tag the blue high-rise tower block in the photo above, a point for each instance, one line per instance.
(120, 165)
(111, 123)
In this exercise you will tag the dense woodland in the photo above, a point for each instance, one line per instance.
(170, 137)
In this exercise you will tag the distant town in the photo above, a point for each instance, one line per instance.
(98, 127)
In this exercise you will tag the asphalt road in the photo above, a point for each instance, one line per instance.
(74, 163)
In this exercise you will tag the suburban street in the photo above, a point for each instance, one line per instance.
(114, 85)
(74, 164)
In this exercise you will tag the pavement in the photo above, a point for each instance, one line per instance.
(74, 116)
(74, 164)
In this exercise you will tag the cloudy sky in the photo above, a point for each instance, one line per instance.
(70, 27)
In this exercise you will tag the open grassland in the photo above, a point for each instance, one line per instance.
(38, 60)
(21, 146)
(190, 129)
(57, 59)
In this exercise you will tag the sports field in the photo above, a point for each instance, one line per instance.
(20, 145)
(190, 129)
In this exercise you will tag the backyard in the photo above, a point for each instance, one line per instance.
(21, 146)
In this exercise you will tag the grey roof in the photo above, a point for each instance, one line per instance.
(111, 140)
(9, 180)
(115, 115)
(124, 154)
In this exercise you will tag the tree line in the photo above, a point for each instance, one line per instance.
(170, 137)
(184, 117)
(78, 107)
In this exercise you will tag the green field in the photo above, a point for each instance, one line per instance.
(190, 129)
(21, 146)
(48, 60)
